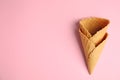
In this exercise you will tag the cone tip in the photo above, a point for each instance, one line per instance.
(90, 72)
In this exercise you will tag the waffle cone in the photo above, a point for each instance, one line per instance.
(93, 36)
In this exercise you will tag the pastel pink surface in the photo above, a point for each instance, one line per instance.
(38, 40)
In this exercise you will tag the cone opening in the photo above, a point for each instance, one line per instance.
(93, 25)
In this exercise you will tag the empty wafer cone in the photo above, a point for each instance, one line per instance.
(93, 36)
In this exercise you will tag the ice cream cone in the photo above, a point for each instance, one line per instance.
(93, 36)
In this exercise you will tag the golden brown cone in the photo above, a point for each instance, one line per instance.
(93, 36)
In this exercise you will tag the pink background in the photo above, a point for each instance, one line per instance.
(39, 40)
